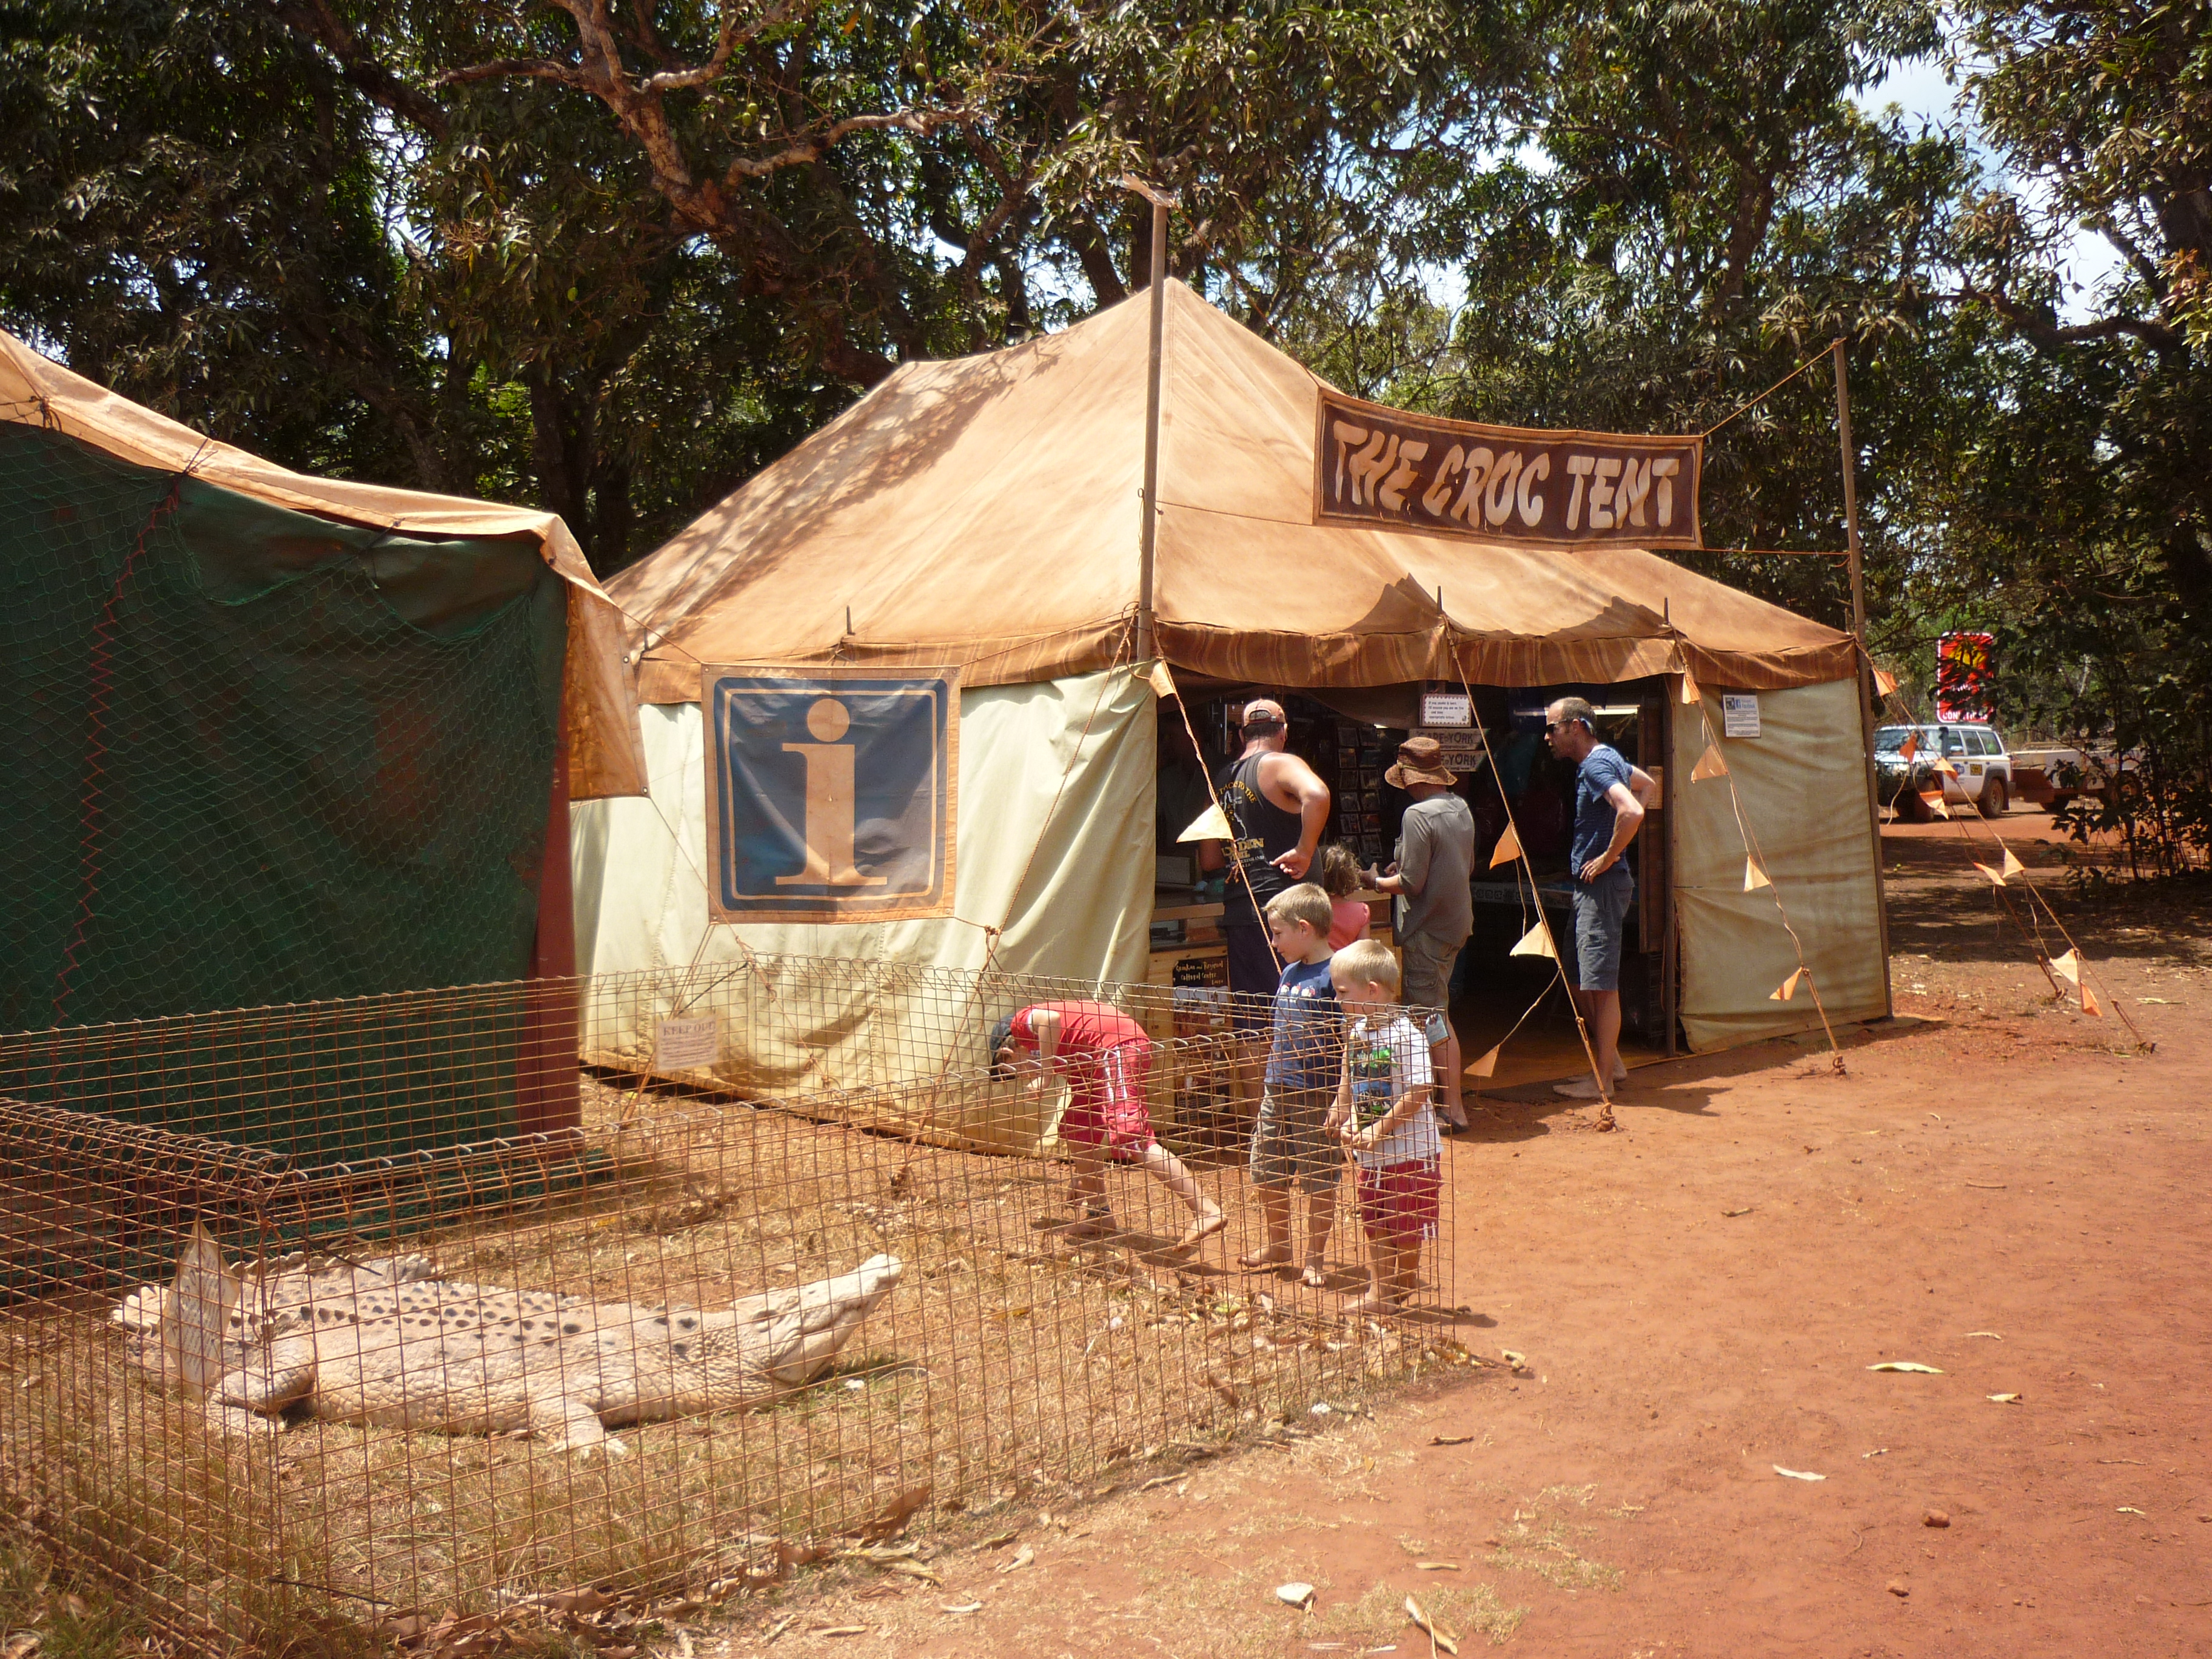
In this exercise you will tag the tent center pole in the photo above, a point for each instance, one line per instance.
(1865, 663)
(1148, 541)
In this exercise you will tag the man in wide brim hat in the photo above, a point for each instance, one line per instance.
(1432, 877)
(1420, 759)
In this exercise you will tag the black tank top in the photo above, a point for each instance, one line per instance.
(1264, 831)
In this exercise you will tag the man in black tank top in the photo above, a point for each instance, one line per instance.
(1276, 808)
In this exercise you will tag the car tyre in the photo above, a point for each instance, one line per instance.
(1995, 798)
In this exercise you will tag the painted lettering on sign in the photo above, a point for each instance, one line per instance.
(1384, 466)
(830, 792)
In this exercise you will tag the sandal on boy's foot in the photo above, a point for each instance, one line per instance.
(1258, 1261)
(1313, 1276)
(1200, 1230)
(1581, 1088)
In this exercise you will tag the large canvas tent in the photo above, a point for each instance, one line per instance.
(275, 738)
(987, 513)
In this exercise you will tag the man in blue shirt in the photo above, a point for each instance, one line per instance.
(1609, 800)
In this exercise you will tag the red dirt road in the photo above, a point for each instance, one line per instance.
(2000, 1195)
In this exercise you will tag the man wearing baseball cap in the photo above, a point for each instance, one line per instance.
(1432, 877)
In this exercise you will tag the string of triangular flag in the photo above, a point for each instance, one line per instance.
(2070, 965)
(1538, 940)
(1211, 824)
(1712, 764)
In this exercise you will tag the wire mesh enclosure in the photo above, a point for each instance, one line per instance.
(318, 1316)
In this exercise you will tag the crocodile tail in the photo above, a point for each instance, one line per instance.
(198, 1308)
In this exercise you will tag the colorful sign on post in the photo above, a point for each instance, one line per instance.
(1386, 468)
(831, 793)
(1963, 678)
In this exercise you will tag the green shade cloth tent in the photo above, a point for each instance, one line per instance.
(272, 739)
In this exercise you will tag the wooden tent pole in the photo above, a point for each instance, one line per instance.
(1148, 540)
(1865, 665)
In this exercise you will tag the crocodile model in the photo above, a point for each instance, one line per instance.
(386, 1342)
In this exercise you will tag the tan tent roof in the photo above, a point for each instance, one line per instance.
(985, 512)
(605, 754)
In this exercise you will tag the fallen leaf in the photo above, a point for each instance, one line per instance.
(1443, 1638)
(1022, 1557)
(1746, 1210)
(1898, 1587)
(1879, 1451)
(779, 1627)
(2129, 1509)
(839, 1629)
(962, 1606)
(1451, 1439)
(1436, 1566)
(1988, 1186)
(2006, 1399)
(896, 1514)
(1518, 1361)
(1000, 1540)
(1994, 1335)
(912, 1570)
(1797, 1474)
(2163, 1002)
(1295, 1595)
(21, 1645)
(1913, 1366)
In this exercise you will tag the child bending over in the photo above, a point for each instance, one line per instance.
(1382, 1113)
(1105, 1055)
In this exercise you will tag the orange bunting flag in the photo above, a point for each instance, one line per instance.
(1885, 682)
(1164, 683)
(1710, 765)
(1996, 876)
(2012, 866)
(1536, 942)
(1946, 767)
(1934, 798)
(2068, 968)
(1507, 850)
(1910, 747)
(1788, 991)
(1486, 1065)
(1689, 692)
(1754, 876)
(2089, 1003)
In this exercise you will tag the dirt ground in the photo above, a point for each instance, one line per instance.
(1996, 1186)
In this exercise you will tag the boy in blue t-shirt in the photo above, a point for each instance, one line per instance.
(1289, 1148)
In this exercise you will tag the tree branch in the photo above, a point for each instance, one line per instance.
(2044, 332)
(314, 21)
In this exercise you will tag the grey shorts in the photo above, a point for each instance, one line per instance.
(1428, 970)
(1287, 1146)
(1601, 920)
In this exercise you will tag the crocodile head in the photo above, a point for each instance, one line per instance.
(763, 1345)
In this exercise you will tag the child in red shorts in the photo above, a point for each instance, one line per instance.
(1105, 1054)
(1383, 1114)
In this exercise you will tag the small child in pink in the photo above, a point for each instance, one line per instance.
(1349, 918)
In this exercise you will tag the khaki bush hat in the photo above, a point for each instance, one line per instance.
(1420, 759)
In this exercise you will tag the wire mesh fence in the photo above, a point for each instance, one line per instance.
(319, 1316)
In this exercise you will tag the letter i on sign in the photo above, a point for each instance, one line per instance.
(830, 799)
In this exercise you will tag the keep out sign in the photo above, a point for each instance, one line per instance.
(831, 793)
(1386, 468)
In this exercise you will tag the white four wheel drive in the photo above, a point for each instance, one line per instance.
(1981, 775)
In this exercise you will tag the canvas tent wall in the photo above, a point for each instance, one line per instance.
(273, 738)
(985, 513)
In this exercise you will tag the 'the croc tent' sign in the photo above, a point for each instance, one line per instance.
(1387, 468)
(831, 793)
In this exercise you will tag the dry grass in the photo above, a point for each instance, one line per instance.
(1005, 1360)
